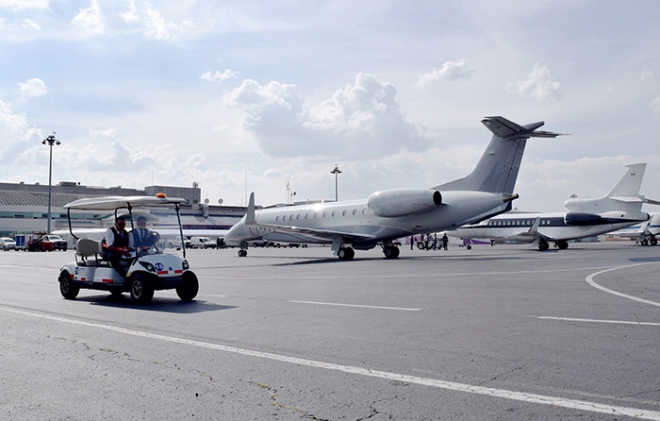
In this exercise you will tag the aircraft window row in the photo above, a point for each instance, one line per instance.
(512, 222)
(315, 215)
(523, 222)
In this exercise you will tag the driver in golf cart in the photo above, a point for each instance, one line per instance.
(117, 246)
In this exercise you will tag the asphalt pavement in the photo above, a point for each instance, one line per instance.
(492, 333)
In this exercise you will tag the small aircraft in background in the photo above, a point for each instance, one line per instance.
(391, 214)
(620, 208)
(645, 234)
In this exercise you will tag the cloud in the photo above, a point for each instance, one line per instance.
(151, 24)
(361, 120)
(655, 105)
(104, 134)
(9, 120)
(218, 76)
(451, 70)
(90, 19)
(539, 84)
(24, 4)
(647, 76)
(34, 87)
(14, 131)
(30, 24)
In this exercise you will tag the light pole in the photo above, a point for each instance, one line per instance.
(50, 141)
(336, 171)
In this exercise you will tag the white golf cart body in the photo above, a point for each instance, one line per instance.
(149, 270)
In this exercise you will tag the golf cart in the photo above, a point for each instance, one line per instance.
(148, 268)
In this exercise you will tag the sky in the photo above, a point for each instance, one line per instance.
(270, 96)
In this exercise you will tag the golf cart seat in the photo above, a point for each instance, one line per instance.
(89, 252)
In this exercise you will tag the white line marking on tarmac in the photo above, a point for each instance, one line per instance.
(458, 387)
(414, 275)
(590, 281)
(616, 322)
(356, 305)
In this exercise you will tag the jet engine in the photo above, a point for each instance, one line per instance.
(614, 217)
(402, 202)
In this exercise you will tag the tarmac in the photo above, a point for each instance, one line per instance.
(493, 333)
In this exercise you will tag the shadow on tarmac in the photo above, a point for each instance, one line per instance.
(159, 304)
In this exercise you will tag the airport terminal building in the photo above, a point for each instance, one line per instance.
(24, 207)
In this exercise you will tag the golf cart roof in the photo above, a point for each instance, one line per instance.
(114, 202)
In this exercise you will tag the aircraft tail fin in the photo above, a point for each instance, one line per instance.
(623, 198)
(250, 218)
(630, 183)
(497, 170)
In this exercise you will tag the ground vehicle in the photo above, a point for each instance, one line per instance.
(201, 243)
(7, 243)
(149, 270)
(51, 242)
(21, 242)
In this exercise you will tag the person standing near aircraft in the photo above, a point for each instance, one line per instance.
(445, 240)
(117, 245)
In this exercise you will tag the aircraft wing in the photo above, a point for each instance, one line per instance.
(314, 232)
(531, 235)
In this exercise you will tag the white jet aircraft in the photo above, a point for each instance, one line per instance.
(644, 234)
(620, 208)
(391, 214)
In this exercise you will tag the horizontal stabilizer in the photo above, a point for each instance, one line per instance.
(651, 201)
(502, 127)
(628, 199)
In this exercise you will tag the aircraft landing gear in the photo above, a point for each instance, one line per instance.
(243, 251)
(346, 253)
(543, 245)
(562, 244)
(391, 251)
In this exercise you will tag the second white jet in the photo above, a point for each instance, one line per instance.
(620, 208)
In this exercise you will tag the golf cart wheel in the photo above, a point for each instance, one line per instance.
(141, 289)
(189, 288)
(66, 289)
